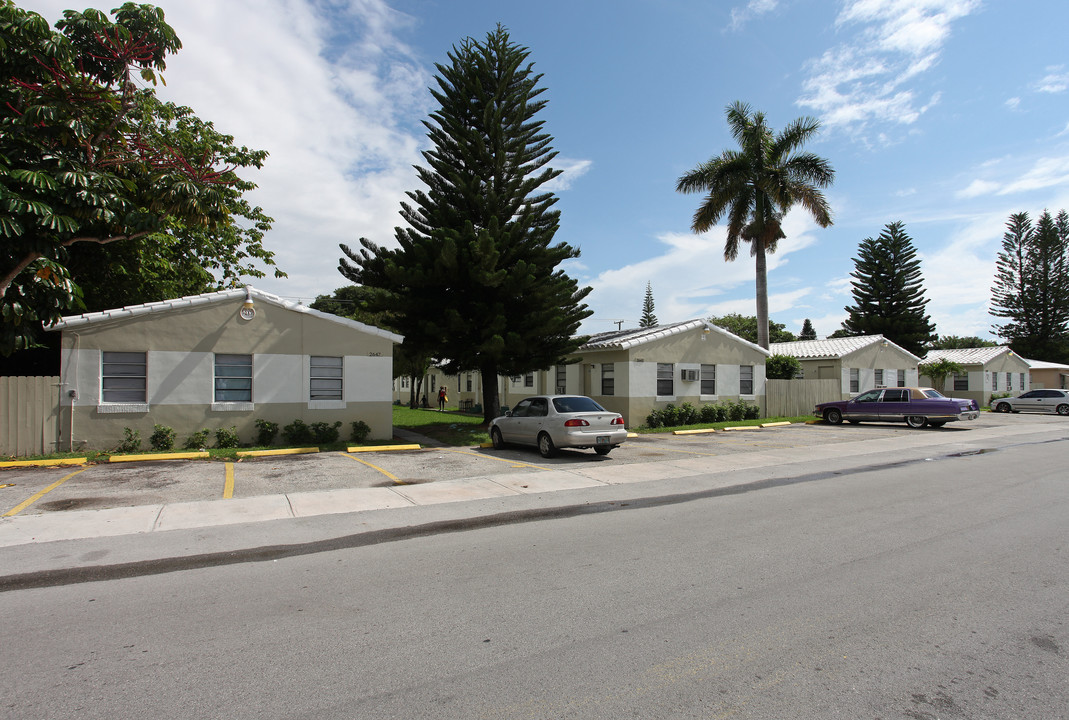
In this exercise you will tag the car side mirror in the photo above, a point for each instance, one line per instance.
(508, 413)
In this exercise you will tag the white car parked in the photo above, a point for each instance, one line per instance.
(559, 421)
(1047, 400)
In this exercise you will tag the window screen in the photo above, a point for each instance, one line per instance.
(233, 378)
(123, 377)
(325, 378)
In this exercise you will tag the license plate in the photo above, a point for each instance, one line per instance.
(602, 440)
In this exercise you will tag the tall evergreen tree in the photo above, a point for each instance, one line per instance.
(888, 292)
(1031, 288)
(648, 318)
(475, 273)
(808, 333)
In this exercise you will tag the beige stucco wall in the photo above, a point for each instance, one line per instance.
(635, 372)
(867, 361)
(180, 346)
(1049, 378)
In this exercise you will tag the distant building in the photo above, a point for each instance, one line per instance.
(988, 370)
(860, 363)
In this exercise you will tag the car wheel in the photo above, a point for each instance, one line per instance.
(939, 423)
(916, 421)
(1062, 409)
(833, 416)
(546, 446)
(602, 450)
(496, 439)
(1003, 407)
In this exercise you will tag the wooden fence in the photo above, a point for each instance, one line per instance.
(30, 411)
(789, 398)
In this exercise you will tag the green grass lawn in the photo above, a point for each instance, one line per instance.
(450, 427)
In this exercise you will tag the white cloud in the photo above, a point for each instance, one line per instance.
(572, 171)
(1055, 81)
(977, 188)
(755, 8)
(1013, 103)
(334, 97)
(1045, 173)
(863, 80)
(691, 279)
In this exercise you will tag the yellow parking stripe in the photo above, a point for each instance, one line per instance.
(491, 457)
(376, 467)
(228, 485)
(37, 496)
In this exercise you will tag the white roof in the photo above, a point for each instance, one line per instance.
(626, 339)
(832, 348)
(1043, 365)
(969, 356)
(132, 311)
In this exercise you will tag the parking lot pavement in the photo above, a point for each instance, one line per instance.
(410, 476)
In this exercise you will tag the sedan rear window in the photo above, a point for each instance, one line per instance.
(576, 404)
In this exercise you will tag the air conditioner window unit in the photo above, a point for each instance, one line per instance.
(690, 375)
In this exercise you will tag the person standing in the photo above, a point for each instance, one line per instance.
(441, 399)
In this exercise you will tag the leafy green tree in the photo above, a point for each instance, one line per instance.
(745, 326)
(1031, 287)
(87, 157)
(475, 273)
(808, 333)
(954, 342)
(938, 370)
(755, 186)
(888, 292)
(782, 367)
(648, 318)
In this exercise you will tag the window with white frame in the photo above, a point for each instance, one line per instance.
(708, 379)
(745, 379)
(665, 379)
(528, 380)
(468, 384)
(879, 377)
(233, 378)
(324, 378)
(855, 380)
(961, 381)
(1022, 380)
(1009, 381)
(994, 381)
(901, 378)
(124, 377)
(608, 378)
(562, 379)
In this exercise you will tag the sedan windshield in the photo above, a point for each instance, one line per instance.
(929, 393)
(576, 404)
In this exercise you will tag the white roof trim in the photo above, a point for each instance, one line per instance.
(642, 336)
(124, 313)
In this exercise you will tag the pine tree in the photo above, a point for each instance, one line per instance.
(1031, 288)
(888, 292)
(648, 318)
(475, 276)
(808, 333)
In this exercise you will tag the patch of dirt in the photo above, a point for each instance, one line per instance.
(74, 504)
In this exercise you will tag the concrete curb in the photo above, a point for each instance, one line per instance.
(44, 463)
(382, 448)
(280, 451)
(159, 456)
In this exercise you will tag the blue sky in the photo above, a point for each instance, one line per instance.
(947, 115)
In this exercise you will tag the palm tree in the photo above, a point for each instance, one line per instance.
(756, 185)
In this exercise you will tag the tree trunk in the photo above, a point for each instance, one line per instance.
(762, 293)
(491, 399)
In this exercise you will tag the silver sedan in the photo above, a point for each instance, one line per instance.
(559, 421)
(1046, 400)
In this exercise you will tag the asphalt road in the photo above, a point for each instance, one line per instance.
(918, 587)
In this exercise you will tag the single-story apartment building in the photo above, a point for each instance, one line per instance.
(1048, 375)
(630, 372)
(988, 370)
(219, 360)
(860, 363)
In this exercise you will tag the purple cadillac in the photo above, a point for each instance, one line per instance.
(917, 407)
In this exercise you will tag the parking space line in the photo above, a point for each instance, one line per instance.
(515, 463)
(37, 496)
(374, 467)
(228, 484)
